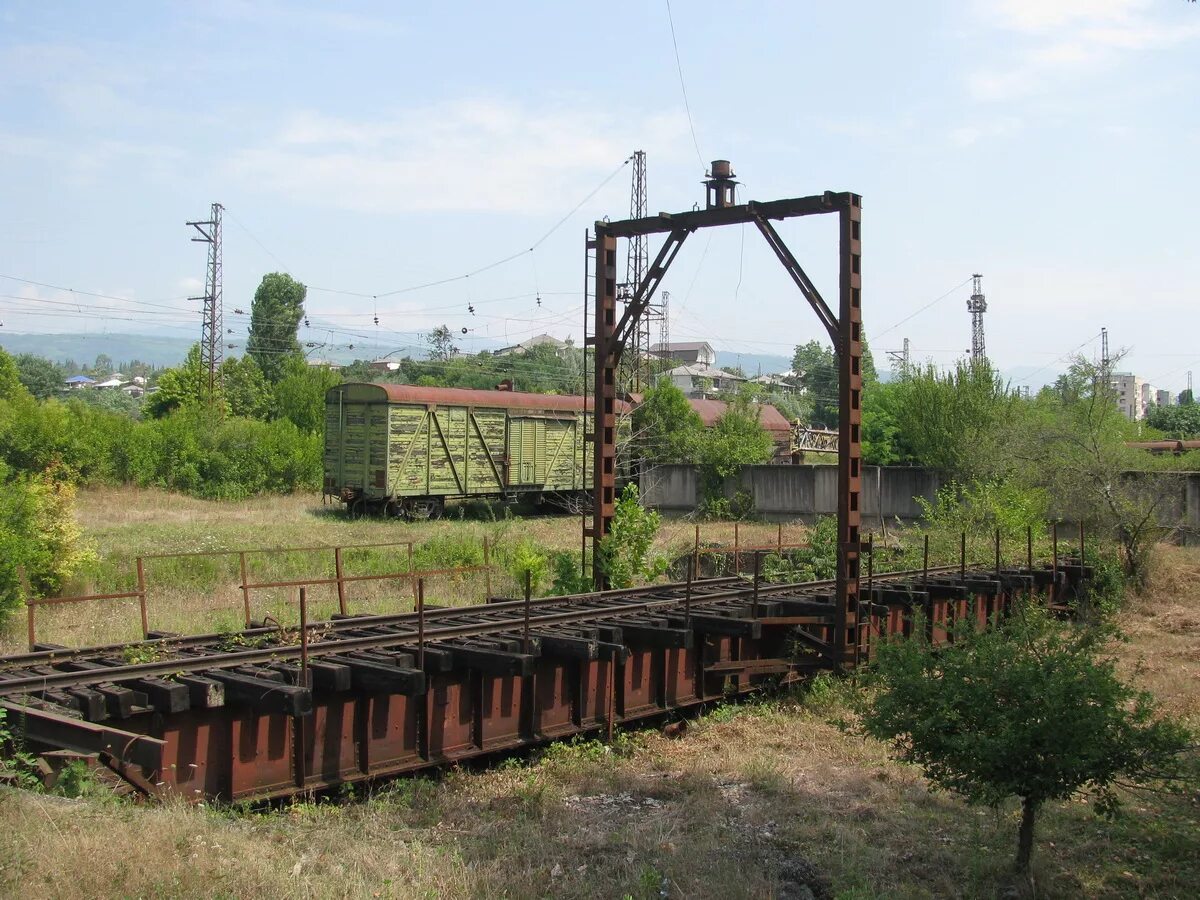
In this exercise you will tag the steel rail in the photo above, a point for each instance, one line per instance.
(277, 653)
(182, 642)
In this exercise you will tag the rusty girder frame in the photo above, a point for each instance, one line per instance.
(845, 330)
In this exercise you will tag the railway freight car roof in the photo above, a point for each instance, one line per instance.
(411, 393)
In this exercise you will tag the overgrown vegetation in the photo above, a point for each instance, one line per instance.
(1030, 707)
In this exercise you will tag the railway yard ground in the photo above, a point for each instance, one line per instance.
(764, 798)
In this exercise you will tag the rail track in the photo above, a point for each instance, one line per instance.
(272, 711)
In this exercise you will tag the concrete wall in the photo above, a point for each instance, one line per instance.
(795, 492)
(787, 493)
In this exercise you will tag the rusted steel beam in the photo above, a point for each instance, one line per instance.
(54, 730)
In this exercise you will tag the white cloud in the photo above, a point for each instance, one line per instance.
(463, 155)
(1064, 38)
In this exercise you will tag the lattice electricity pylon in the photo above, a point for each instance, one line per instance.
(977, 306)
(211, 347)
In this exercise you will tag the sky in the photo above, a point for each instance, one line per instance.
(371, 149)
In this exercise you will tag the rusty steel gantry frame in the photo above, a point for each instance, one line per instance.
(611, 335)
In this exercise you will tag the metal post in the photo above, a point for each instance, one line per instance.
(1054, 568)
(303, 637)
(779, 539)
(997, 552)
(341, 584)
(1082, 544)
(421, 624)
(487, 569)
(1029, 548)
(141, 587)
(525, 612)
(412, 570)
(870, 588)
(29, 607)
(925, 587)
(687, 592)
(245, 587)
(737, 560)
(697, 545)
(757, 575)
(962, 556)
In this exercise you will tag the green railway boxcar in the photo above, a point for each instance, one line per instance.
(406, 450)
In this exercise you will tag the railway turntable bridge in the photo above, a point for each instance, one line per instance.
(270, 712)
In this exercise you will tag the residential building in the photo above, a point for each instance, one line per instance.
(702, 381)
(76, 382)
(1163, 398)
(693, 353)
(540, 340)
(1129, 392)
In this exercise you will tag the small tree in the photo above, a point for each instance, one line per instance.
(1027, 708)
(625, 550)
(666, 429)
(441, 344)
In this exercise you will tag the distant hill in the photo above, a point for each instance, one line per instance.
(161, 350)
(750, 362)
(156, 349)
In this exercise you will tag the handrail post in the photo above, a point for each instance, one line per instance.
(737, 561)
(341, 583)
(141, 587)
(757, 574)
(421, 624)
(487, 570)
(687, 592)
(528, 596)
(245, 587)
(412, 569)
(1054, 567)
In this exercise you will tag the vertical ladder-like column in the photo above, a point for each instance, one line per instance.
(604, 441)
(848, 623)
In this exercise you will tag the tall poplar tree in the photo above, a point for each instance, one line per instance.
(275, 319)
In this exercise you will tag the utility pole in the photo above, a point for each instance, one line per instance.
(977, 306)
(1105, 359)
(211, 323)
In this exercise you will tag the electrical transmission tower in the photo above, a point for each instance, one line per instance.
(211, 324)
(977, 306)
(653, 319)
(1105, 359)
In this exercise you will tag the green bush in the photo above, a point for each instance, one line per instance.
(625, 550)
(40, 546)
(525, 560)
(569, 576)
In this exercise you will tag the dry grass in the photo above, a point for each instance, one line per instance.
(202, 594)
(747, 803)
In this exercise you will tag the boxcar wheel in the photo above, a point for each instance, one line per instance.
(357, 508)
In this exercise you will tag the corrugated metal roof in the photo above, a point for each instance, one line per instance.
(770, 418)
(411, 393)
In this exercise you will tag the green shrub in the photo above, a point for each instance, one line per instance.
(526, 561)
(625, 550)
